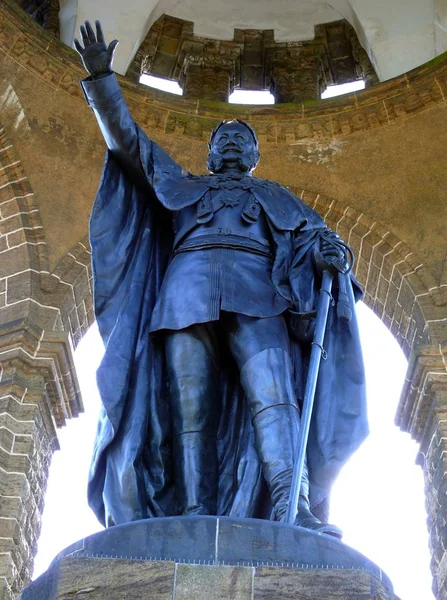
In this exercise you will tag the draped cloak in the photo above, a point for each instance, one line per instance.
(131, 237)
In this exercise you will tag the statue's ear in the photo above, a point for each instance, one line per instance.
(209, 163)
(256, 159)
(212, 163)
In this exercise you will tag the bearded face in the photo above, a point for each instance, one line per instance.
(233, 146)
(246, 162)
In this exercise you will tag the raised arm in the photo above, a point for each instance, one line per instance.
(104, 96)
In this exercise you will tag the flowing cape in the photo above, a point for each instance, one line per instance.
(132, 475)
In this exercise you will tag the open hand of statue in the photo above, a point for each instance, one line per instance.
(96, 56)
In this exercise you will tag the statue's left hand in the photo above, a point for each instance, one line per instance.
(330, 252)
(96, 56)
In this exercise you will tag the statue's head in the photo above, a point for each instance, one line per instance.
(234, 145)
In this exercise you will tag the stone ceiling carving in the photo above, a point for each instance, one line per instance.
(293, 71)
(398, 35)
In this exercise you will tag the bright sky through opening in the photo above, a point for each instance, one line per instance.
(165, 85)
(252, 97)
(344, 88)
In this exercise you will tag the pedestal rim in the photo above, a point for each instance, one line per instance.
(106, 544)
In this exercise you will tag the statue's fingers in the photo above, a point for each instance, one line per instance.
(91, 35)
(78, 46)
(84, 36)
(111, 49)
(99, 33)
(327, 252)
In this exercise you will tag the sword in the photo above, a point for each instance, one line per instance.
(317, 353)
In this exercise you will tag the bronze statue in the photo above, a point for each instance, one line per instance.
(205, 295)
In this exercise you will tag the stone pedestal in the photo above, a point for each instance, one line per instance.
(209, 558)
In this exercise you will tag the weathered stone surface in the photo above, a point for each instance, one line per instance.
(106, 579)
(37, 384)
(44, 12)
(118, 579)
(203, 582)
(212, 78)
(301, 584)
(298, 71)
(23, 472)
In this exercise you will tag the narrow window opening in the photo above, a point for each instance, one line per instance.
(343, 88)
(251, 97)
(164, 85)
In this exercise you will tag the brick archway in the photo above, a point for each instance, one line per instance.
(398, 287)
(74, 273)
(38, 385)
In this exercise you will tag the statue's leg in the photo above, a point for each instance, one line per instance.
(194, 384)
(261, 349)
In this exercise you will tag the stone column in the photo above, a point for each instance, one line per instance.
(423, 413)
(36, 385)
(296, 73)
(44, 12)
(208, 76)
(363, 61)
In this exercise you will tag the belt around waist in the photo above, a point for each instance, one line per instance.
(236, 242)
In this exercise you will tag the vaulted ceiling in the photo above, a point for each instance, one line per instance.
(398, 35)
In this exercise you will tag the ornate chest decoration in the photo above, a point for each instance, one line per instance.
(231, 188)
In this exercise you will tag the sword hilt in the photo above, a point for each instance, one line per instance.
(342, 262)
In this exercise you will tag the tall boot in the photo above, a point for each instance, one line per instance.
(196, 473)
(275, 433)
(305, 517)
(194, 400)
(267, 379)
(276, 429)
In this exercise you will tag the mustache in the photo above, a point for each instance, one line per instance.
(234, 147)
(247, 161)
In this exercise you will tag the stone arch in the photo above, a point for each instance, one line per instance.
(29, 294)
(398, 287)
(21, 227)
(38, 385)
(74, 271)
(404, 295)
